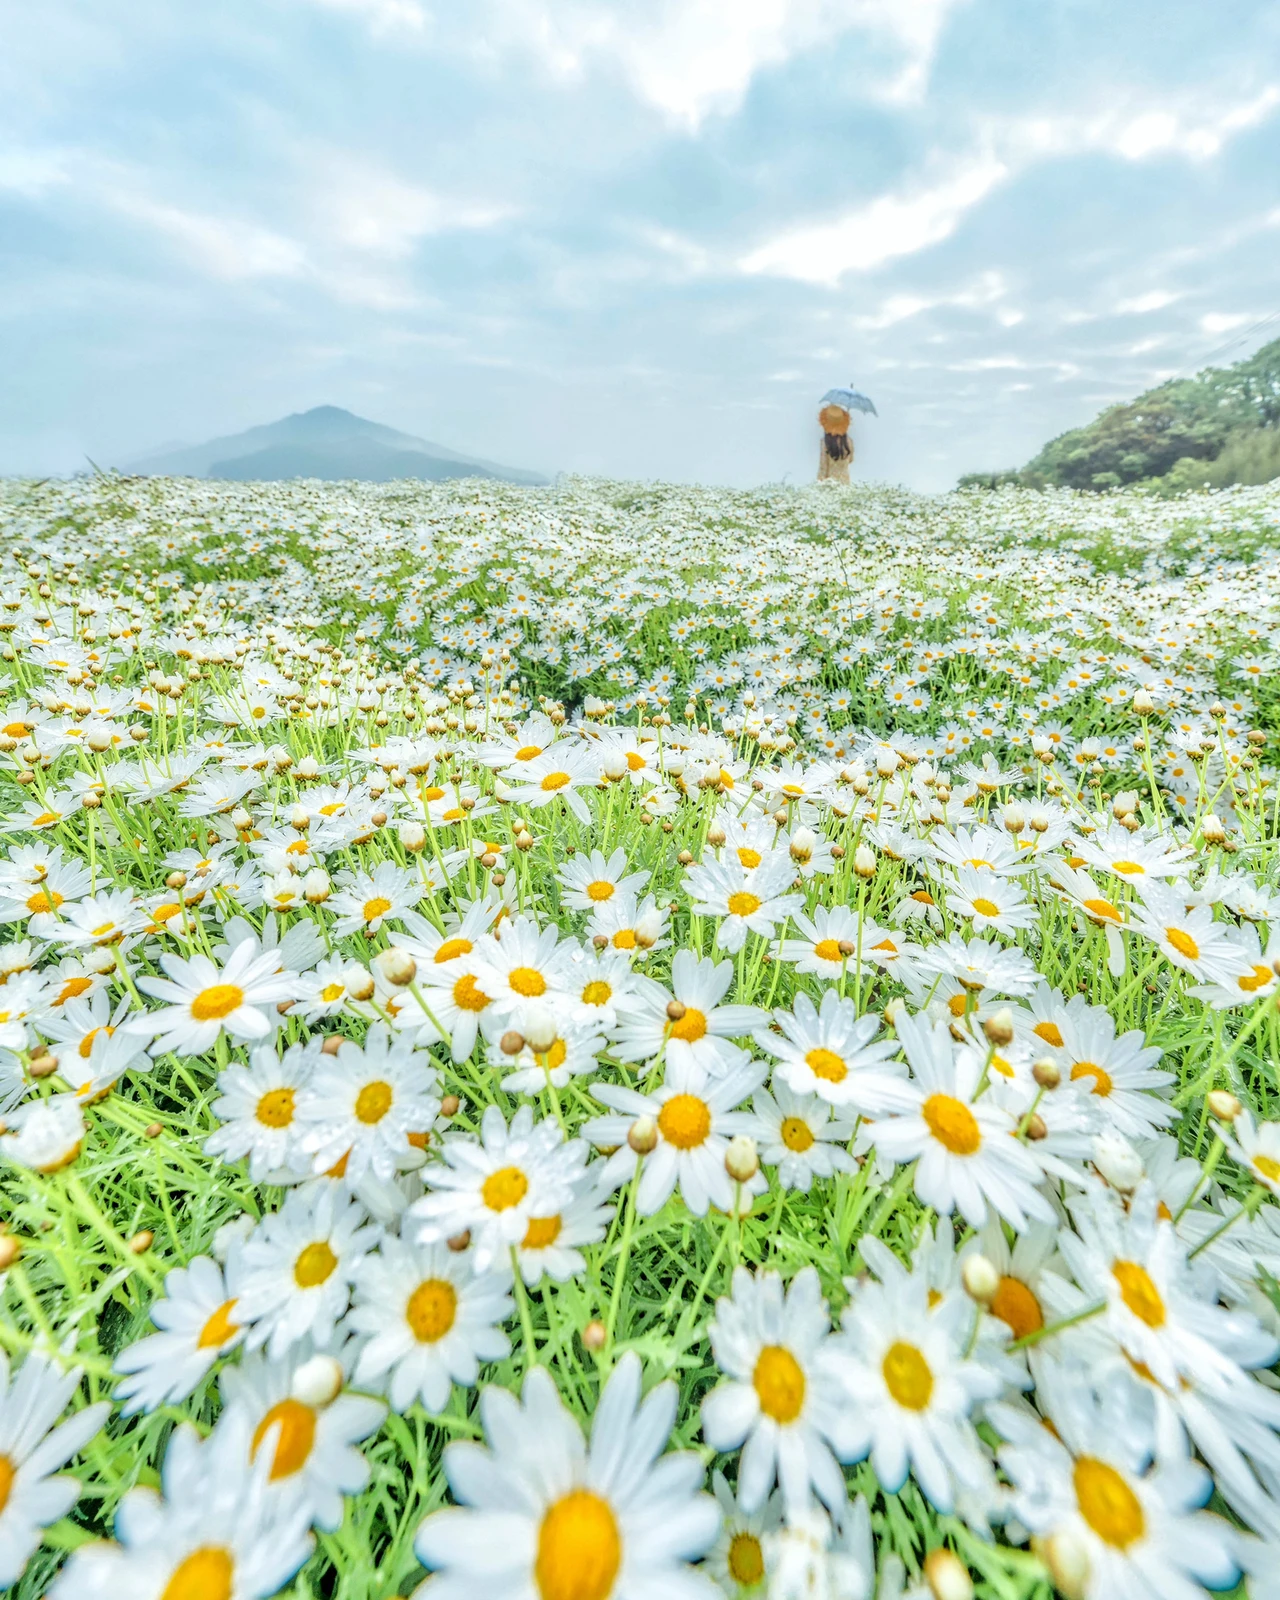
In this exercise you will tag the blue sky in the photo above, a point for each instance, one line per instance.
(637, 239)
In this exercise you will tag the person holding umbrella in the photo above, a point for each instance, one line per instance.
(834, 418)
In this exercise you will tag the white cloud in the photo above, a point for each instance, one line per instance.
(374, 212)
(1139, 305)
(1224, 321)
(692, 58)
(225, 247)
(31, 172)
(891, 225)
(383, 16)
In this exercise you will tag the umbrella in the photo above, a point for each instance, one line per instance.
(850, 399)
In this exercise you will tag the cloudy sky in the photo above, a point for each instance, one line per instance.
(634, 237)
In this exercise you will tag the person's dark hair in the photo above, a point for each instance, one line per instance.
(838, 446)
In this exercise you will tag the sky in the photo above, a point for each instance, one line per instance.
(636, 238)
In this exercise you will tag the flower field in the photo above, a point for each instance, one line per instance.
(636, 1043)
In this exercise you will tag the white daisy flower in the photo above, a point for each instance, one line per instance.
(966, 1159)
(746, 901)
(525, 964)
(258, 1109)
(571, 1053)
(33, 1445)
(1189, 939)
(198, 1321)
(910, 1387)
(549, 1247)
(697, 986)
(44, 1135)
(1121, 1072)
(428, 1320)
(555, 774)
(493, 1186)
(590, 880)
(1257, 1149)
(310, 1448)
(360, 1106)
(298, 1265)
(781, 1404)
(203, 999)
(828, 1051)
(797, 1135)
(736, 1559)
(213, 1533)
(987, 900)
(1089, 1487)
(600, 987)
(549, 1515)
(450, 1006)
(695, 1119)
(362, 901)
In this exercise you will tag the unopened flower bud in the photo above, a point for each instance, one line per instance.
(1211, 829)
(397, 966)
(715, 835)
(594, 1335)
(98, 739)
(864, 862)
(458, 1242)
(1014, 819)
(803, 843)
(648, 929)
(1117, 1161)
(316, 886)
(999, 1027)
(10, 1250)
(141, 1242)
(299, 818)
(676, 1010)
(642, 1136)
(1124, 804)
(980, 1278)
(511, 1042)
(539, 1027)
(317, 1382)
(1143, 704)
(1041, 746)
(614, 765)
(1046, 1072)
(896, 1009)
(359, 981)
(449, 1105)
(241, 819)
(1223, 1105)
(887, 762)
(741, 1159)
(412, 835)
(1067, 1559)
(947, 1576)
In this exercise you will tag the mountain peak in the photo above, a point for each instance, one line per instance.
(324, 442)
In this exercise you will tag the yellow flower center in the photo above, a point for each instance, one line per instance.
(1102, 910)
(749, 857)
(1259, 978)
(1268, 1166)
(554, 781)
(796, 1134)
(44, 900)
(779, 1383)
(956, 1004)
(216, 1002)
(541, 1232)
(468, 995)
(297, 1435)
(432, 1309)
(549, 1060)
(907, 1376)
(275, 1108)
(828, 950)
(527, 981)
(685, 1121)
(314, 1264)
(206, 1574)
(600, 889)
(451, 948)
(373, 1102)
(219, 1328)
(691, 1027)
(624, 939)
(333, 991)
(1139, 1293)
(579, 1548)
(74, 987)
(1183, 943)
(746, 1559)
(1130, 869)
(1102, 1082)
(597, 993)
(1107, 1503)
(1017, 1307)
(7, 1475)
(86, 1044)
(45, 818)
(375, 908)
(1050, 1032)
(504, 1188)
(952, 1124)
(743, 903)
(985, 907)
(635, 761)
(526, 752)
(827, 1065)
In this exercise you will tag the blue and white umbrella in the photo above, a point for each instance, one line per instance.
(850, 399)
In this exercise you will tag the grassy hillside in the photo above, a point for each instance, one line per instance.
(1218, 428)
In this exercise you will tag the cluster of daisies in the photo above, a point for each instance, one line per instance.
(593, 1154)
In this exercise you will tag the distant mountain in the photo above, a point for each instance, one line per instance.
(1218, 428)
(326, 442)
